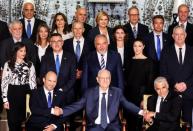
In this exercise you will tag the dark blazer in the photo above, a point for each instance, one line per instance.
(67, 73)
(40, 113)
(34, 31)
(189, 31)
(90, 101)
(92, 66)
(87, 28)
(4, 31)
(68, 46)
(174, 72)
(6, 47)
(94, 32)
(150, 49)
(141, 31)
(169, 116)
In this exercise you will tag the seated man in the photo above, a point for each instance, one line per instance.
(101, 105)
(164, 108)
(42, 102)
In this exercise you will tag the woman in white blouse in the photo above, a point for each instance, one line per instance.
(60, 25)
(18, 79)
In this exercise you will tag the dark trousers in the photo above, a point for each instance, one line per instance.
(17, 105)
(110, 127)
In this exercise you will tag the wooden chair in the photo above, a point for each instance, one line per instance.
(123, 121)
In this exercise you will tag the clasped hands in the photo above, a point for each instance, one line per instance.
(148, 116)
(57, 111)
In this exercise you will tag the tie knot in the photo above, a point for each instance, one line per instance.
(134, 27)
(182, 25)
(180, 49)
(102, 55)
(78, 42)
(28, 21)
(104, 94)
(49, 93)
(158, 36)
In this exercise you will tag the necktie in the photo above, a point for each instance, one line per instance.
(182, 25)
(103, 112)
(102, 62)
(158, 47)
(29, 29)
(161, 103)
(78, 50)
(180, 56)
(57, 64)
(49, 100)
(134, 32)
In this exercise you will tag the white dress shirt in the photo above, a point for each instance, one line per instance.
(157, 109)
(183, 51)
(81, 44)
(98, 119)
(136, 27)
(105, 58)
(185, 24)
(41, 51)
(32, 21)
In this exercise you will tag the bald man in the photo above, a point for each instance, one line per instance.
(42, 103)
(81, 16)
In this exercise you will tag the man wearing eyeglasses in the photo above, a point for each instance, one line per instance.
(63, 64)
(133, 27)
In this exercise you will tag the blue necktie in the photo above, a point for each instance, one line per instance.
(158, 47)
(29, 29)
(78, 51)
(49, 100)
(103, 112)
(102, 62)
(57, 64)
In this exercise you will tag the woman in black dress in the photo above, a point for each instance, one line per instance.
(18, 78)
(139, 78)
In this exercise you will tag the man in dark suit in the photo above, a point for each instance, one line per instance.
(134, 28)
(176, 65)
(155, 41)
(102, 58)
(164, 108)
(6, 46)
(80, 48)
(64, 64)
(183, 14)
(96, 101)
(42, 103)
(81, 16)
(30, 23)
(4, 32)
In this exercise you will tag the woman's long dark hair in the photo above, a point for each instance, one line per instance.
(17, 46)
(126, 40)
(54, 26)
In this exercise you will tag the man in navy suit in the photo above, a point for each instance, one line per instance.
(64, 64)
(133, 27)
(42, 103)
(80, 48)
(29, 21)
(176, 65)
(102, 105)
(155, 41)
(183, 14)
(102, 58)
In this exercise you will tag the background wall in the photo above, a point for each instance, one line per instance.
(46, 9)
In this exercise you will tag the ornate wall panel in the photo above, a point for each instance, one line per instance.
(46, 9)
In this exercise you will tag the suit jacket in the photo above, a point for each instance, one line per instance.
(92, 66)
(87, 28)
(141, 31)
(40, 113)
(169, 116)
(94, 32)
(90, 101)
(4, 31)
(6, 47)
(34, 31)
(67, 73)
(68, 46)
(189, 31)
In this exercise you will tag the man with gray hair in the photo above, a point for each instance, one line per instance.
(6, 46)
(164, 108)
(176, 64)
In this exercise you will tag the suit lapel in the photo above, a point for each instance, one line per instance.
(152, 44)
(96, 61)
(43, 97)
(109, 61)
(52, 62)
(96, 102)
(63, 64)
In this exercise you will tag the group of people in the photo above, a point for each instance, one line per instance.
(100, 69)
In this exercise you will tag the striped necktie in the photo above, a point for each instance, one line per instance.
(102, 62)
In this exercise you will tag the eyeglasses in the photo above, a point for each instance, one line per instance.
(56, 42)
(104, 78)
(133, 14)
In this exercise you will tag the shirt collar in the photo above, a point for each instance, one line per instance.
(32, 19)
(46, 90)
(176, 46)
